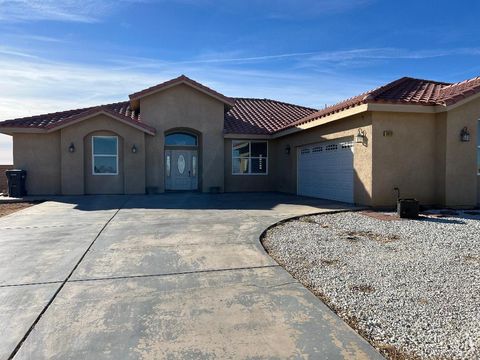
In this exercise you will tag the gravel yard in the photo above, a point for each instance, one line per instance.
(411, 287)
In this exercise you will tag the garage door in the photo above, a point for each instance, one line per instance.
(325, 170)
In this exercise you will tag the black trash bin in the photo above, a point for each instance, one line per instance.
(16, 183)
(408, 208)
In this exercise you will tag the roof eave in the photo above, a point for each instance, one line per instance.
(21, 129)
(247, 136)
(89, 114)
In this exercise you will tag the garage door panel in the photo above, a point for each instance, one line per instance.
(325, 170)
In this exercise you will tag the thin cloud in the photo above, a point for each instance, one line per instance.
(38, 38)
(86, 11)
(361, 56)
(89, 11)
(16, 52)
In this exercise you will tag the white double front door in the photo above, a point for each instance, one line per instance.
(181, 169)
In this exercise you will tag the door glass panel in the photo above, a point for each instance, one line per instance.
(194, 165)
(240, 166)
(259, 149)
(168, 165)
(181, 164)
(181, 139)
(241, 149)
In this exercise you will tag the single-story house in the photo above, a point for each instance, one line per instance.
(418, 135)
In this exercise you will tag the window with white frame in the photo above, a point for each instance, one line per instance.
(105, 155)
(478, 147)
(249, 157)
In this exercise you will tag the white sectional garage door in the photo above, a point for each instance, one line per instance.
(325, 170)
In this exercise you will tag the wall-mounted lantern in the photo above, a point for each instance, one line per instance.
(361, 136)
(287, 149)
(71, 148)
(465, 135)
(134, 149)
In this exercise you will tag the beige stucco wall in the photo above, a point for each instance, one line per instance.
(75, 167)
(440, 156)
(285, 166)
(461, 180)
(39, 155)
(406, 160)
(240, 183)
(185, 107)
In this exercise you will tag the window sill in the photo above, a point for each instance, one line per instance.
(249, 174)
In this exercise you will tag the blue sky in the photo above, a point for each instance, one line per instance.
(57, 55)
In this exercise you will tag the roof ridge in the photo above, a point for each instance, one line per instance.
(429, 80)
(180, 79)
(382, 89)
(460, 82)
(276, 101)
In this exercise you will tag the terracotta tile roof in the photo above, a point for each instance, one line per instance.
(453, 93)
(247, 116)
(407, 91)
(181, 79)
(262, 116)
(121, 110)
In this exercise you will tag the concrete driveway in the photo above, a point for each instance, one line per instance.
(176, 276)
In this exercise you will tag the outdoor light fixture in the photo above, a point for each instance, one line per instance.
(287, 149)
(361, 136)
(71, 148)
(134, 149)
(465, 135)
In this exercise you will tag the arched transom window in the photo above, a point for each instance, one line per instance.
(181, 139)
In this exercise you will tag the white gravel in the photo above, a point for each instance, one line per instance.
(409, 285)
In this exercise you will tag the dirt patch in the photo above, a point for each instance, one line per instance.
(6, 209)
(472, 259)
(329, 262)
(354, 236)
(363, 288)
(381, 216)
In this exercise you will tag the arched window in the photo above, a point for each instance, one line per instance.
(181, 139)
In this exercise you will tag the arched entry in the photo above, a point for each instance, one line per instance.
(181, 160)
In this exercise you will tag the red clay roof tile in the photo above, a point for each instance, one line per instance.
(262, 116)
(402, 91)
(121, 110)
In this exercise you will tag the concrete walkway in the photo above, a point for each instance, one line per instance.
(177, 276)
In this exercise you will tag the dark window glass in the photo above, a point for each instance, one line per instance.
(181, 139)
(105, 145)
(259, 166)
(105, 165)
(478, 161)
(259, 149)
(478, 133)
(240, 166)
(241, 149)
